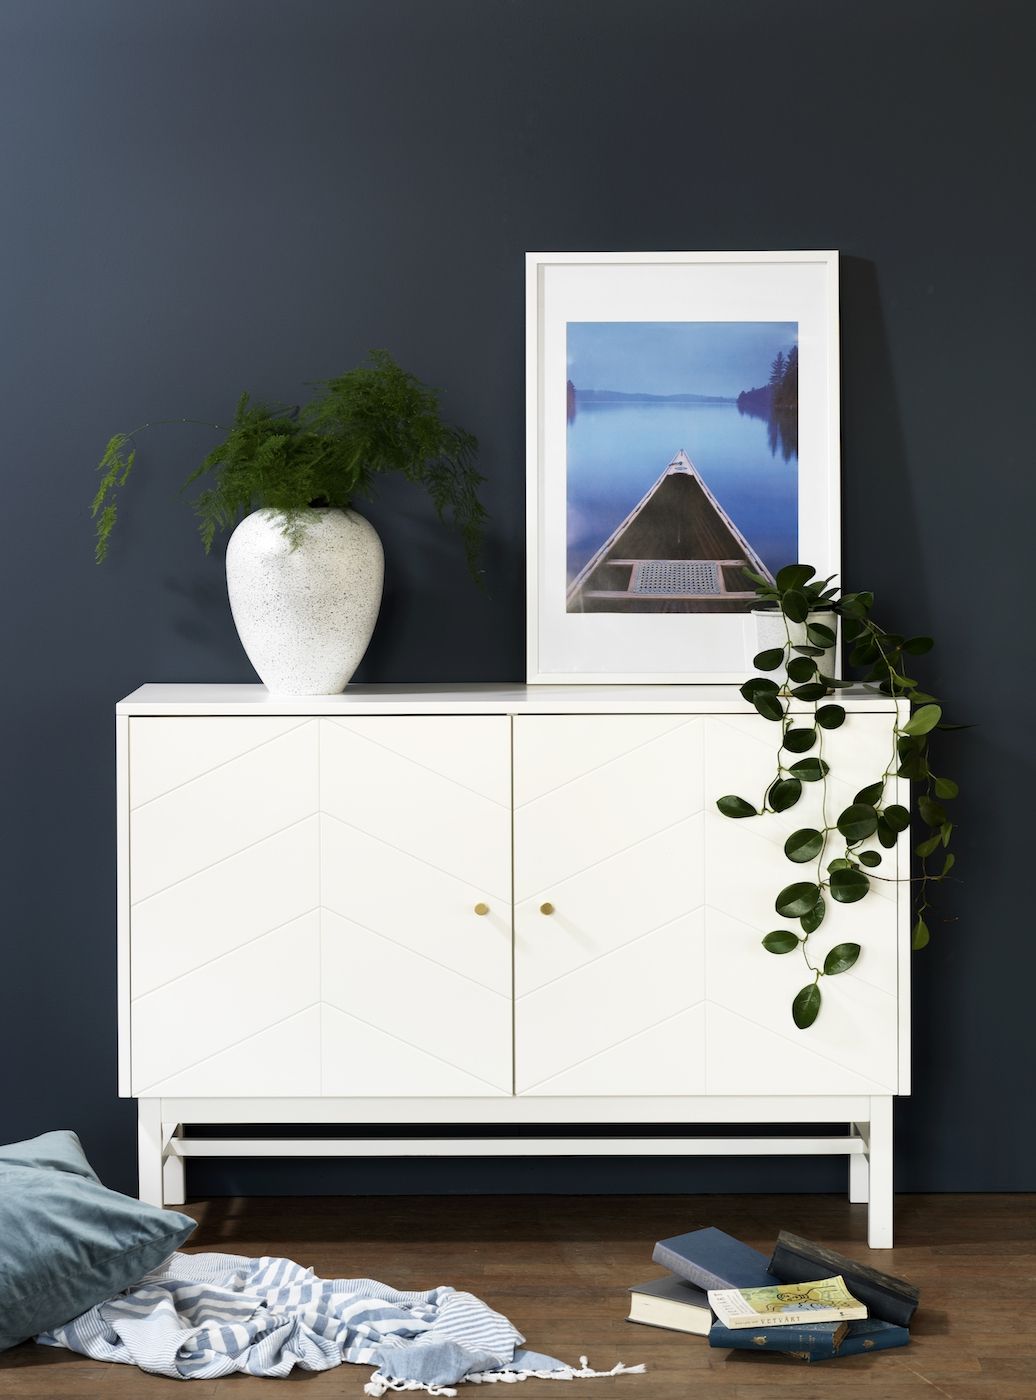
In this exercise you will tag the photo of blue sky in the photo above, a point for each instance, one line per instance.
(673, 357)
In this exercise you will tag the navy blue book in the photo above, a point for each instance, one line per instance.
(711, 1259)
(821, 1341)
(815, 1341)
(871, 1334)
(798, 1260)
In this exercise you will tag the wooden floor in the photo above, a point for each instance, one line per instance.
(559, 1267)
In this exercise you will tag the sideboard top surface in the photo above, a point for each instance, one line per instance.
(499, 699)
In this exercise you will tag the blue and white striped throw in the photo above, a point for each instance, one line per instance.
(200, 1316)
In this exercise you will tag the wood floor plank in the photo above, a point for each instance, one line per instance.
(559, 1267)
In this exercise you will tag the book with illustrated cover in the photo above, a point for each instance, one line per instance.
(889, 1298)
(669, 1302)
(823, 1300)
(712, 1259)
(811, 1341)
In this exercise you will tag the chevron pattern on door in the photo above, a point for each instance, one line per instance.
(852, 1048)
(416, 831)
(608, 831)
(302, 906)
(649, 977)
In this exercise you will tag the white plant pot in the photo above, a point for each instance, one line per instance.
(305, 614)
(772, 629)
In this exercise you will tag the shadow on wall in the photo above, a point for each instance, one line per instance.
(877, 485)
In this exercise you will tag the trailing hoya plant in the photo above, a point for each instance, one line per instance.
(835, 866)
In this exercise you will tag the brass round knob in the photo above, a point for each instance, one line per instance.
(481, 908)
(547, 908)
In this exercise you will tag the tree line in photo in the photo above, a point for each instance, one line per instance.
(777, 402)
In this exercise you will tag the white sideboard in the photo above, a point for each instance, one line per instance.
(490, 905)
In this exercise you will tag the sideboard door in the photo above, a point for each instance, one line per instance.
(303, 897)
(224, 906)
(640, 913)
(753, 1043)
(609, 894)
(416, 906)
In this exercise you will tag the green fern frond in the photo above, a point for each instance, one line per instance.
(377, 418)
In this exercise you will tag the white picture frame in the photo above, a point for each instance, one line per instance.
(687, 294)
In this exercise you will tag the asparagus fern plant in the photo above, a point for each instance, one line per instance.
(374, 419)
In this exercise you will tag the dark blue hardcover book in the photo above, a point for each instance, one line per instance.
(815, 1341)
(711, 1259)
(871, 1334)
(798, 1260)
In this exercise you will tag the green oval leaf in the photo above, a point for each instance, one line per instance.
(804, 844)
(804, 649)
(871, 858)
(810, 770)
(858, 822)
(917, 646)
(758, 685)
(932, 813)
(780, 941)
(924, 720)
(847, 886)
(946, 788)
(897, 817)
(820, 635)
(732, 806)
(794, 576)
(795, 605)
(925, 848)
(798, 899)
(812, 690)
(769, 660)
(784, 793)
(830, 716)
(856, 604)
(841, 958)
(839, 863)
(948, 864)
(870, 795)
(801, 668)
(800, 740)
(886, 833)
(811, 922)
(920, 936)
(806, 1007)
(914, 768)
(768, 706)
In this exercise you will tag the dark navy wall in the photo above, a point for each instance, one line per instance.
(201, 197)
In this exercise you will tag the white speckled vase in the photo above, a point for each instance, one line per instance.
(305, 614)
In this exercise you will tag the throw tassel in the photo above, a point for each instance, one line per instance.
(379, 1384)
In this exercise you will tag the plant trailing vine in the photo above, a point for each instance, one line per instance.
(845, 876)
(375, 418)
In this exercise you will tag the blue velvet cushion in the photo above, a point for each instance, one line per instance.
(66, 1241)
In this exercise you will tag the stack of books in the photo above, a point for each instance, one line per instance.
(805, 1300)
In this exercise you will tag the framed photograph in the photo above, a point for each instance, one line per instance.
(683, 427)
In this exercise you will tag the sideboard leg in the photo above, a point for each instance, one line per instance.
(859, 1173)
(174, 1177)
(879, 1215)
(149, 1151)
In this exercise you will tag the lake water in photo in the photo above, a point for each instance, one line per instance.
(616, 451)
